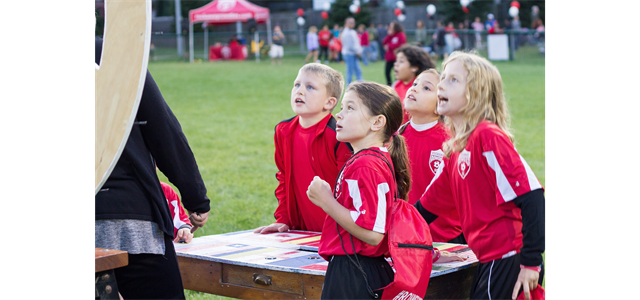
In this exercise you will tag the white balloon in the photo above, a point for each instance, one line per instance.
(465, 2)
(513, 11)
(300, 21)
(401, 18)
(400, 4)
(431, 9)
(353, 8)
(356, 2)
(326, 6)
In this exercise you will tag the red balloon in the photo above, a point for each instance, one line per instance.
(358, 11)
(324, 15)
(465, 9)
(300, 12)
(397, 11)
(516, 4)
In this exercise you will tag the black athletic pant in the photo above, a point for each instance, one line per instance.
(387, 71)
(344, 281)
(325, 50)
(151, 276)
(496, 279)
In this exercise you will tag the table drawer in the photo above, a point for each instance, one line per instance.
(263, 279)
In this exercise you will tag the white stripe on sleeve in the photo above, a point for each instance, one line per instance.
(354, 192)
(176, 215)
(501, 181)
(381, 217)
(534, 184)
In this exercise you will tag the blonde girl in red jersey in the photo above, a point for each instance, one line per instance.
(354, 236)
(499, 199)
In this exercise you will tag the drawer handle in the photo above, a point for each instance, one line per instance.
(262, 279)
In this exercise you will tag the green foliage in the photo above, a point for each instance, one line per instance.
(340, 11)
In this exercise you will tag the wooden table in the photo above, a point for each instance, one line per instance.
(286, 265)
(106, 261)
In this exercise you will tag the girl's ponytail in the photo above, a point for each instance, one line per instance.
(400, 158)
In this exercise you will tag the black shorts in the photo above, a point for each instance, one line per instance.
(496, 279)
(344, 281)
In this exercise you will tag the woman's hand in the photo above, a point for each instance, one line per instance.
(275, 227)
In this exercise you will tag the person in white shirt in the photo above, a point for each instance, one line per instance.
(351, 50)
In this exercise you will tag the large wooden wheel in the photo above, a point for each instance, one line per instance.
(119, 79)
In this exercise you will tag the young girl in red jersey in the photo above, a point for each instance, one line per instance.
(424, 135)
(354, 236)
(498, 197)
(410, 62)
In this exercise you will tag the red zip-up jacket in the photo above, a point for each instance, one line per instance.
(327, 158)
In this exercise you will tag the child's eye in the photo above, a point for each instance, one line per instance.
(427, 88)
(454, 80)
(296, 84)
(350, 107)
(309, 87)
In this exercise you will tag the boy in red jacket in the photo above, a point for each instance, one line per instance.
(306, 146)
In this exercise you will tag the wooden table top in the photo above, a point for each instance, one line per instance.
(107, 259)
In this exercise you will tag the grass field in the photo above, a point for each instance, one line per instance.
(228, 111)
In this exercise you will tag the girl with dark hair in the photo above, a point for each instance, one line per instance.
(410, 62)
(354, 236)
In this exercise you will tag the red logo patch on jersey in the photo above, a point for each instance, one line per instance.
(464, 163)
(435, 160)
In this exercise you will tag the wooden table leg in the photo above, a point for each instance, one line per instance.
(106, 286)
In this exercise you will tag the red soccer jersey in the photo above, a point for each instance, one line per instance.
(394, 42)
(425, 156)
(365, 187)
(175, 207)
(364, 39)
(310, 215)
(324, 36)
(483, 179)
(401, 89)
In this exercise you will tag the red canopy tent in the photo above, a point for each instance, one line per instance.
(227, 12)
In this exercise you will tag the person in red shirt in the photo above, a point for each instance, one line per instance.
(391, 42)
(335, 46)
(324, 36)
(410, 61)
(181, 225)
(498, 197)
(306, 146)
(359, 207)
(364, 42)
(424, 135)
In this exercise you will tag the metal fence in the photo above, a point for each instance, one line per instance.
(164, 46)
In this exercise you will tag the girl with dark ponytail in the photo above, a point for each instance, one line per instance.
(354, 235)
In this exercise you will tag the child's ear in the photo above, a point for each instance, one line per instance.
(330, 103)
(379, 122)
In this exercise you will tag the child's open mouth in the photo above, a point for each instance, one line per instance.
(338, 127)
(442, 99)
(411, 97)
(298, 100)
